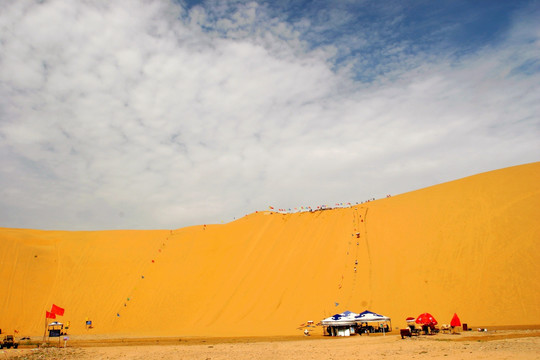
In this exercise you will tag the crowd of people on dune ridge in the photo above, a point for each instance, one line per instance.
(319, 207)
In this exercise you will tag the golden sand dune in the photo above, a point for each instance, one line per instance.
(469, 246)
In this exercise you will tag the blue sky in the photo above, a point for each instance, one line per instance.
(366, 32)
(164, 114)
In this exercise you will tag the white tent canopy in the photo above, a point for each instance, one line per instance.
(343, 324)
(369, 316)
(348, 323)
(346, 318)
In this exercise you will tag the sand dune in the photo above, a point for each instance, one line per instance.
(468, 246)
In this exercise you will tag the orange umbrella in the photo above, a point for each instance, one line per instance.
(455, 321)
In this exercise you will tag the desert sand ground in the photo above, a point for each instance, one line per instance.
(501, 344)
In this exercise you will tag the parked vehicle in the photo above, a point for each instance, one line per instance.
(9, 342)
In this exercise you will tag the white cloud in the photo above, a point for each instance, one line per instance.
(147, 115)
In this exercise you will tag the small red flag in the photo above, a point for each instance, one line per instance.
(57, 310)
(455, 321)
(50, 315)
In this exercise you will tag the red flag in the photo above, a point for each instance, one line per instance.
(455, 321)
(57, 310)
(50, 315)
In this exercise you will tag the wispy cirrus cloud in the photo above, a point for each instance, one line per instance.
(161, 115)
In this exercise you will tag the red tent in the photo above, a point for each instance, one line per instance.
(426, 319)
(455, 321)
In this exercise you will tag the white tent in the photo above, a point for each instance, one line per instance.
(368, 316)
(341, 324)
(348, 323)
(345, 318)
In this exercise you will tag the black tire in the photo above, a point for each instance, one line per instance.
(15, 346)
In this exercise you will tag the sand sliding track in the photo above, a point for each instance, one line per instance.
(468, 246)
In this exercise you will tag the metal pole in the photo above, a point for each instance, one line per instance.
(45, 330)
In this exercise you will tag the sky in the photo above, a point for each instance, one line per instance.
(164, 114)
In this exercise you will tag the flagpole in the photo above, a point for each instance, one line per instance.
(45, 330)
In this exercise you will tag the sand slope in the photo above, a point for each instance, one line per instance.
(469, 246)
